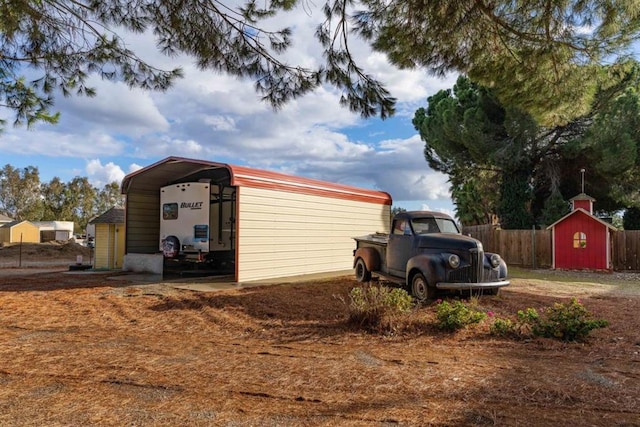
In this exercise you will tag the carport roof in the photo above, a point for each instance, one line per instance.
(173, 169)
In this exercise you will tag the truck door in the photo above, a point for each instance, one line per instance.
(399, 247)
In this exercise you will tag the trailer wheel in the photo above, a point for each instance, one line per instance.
(362, 272)
(421, 289)
(170, 247)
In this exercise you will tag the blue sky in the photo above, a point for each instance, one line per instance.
(216, 117)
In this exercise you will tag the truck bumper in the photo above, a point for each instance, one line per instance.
(481, 285)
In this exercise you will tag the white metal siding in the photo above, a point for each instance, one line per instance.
(287, 234)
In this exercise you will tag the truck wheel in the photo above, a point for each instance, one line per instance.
(362, 273)
(421, 289)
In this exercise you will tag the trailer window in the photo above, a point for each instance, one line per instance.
(170, 211)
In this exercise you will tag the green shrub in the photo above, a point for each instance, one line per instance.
(503, 328)
(377, 308)
(567, 322)
(457, 315)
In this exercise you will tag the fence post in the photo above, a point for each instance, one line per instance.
(20, 253)
(533, 247)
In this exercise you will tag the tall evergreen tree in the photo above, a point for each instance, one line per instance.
(541, 57)
(631, 219)
(476, 140)
(544, 54)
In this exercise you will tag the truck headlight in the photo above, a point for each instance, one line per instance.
(454, 261)
(495, 260)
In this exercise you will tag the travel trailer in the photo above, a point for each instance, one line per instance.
(197, 222)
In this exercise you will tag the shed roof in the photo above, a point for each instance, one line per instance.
(176, 169)
(115, 215)
(582, 196)
(584, 212)
(14, 223)
(4, 218)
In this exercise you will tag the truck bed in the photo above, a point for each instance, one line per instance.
(377, 239)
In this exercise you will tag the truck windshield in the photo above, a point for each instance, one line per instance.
(433, 225)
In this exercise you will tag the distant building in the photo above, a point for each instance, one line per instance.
(55, 230)
(109, 239)
(5, 219)
(19, 231)
(580, 240)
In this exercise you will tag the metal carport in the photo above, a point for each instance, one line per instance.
(285, 225)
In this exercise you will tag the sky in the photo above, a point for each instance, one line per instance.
(216, 117)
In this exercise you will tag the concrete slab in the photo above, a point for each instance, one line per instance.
(217, 283)
(304, 277)
(210, 284)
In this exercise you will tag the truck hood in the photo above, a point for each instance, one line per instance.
(449, 242)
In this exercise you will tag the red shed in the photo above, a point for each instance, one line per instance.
(580, 240)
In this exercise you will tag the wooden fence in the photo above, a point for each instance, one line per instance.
(532, 248)
(626, 250)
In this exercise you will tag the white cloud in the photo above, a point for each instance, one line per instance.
(116, 108)
(397, 167)
(222, 123)
(100, 175)
(449, 212)
(133, 167)
(55, 144)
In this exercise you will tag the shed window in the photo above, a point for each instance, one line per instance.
(579, 240)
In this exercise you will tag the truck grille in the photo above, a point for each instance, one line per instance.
(476, 257)
(472, 273)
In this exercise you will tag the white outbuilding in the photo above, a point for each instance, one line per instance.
(261, 224)
(55, 230)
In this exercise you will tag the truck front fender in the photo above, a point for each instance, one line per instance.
(430, 265)
(370, 256)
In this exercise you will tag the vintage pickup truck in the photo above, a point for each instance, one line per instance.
(426, 252)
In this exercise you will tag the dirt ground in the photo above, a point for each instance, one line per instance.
(81, 348)
(54, 253)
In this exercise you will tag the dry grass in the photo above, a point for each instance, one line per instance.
(92, 350)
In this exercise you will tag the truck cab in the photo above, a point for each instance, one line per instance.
(426, 252)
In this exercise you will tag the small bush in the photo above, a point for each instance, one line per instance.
(456, 316)
(377, 308)
(567, 322)
(503, 328)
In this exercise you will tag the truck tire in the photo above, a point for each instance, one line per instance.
(420, 289)
(362, 272)
(493, 291)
